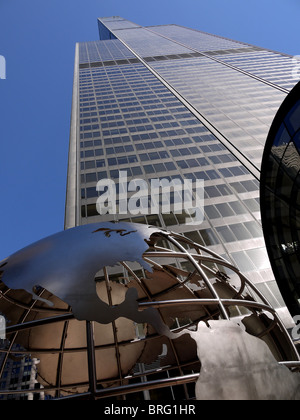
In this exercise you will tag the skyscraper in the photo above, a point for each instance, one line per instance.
(175, 108)
(170, 102)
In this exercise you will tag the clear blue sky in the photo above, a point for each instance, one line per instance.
(38, 38)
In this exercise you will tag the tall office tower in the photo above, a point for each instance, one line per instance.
(167, 102)
(171, 103)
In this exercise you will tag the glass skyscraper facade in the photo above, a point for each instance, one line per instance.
(172, 102)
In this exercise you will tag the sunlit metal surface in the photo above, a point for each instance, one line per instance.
(237, 366)
(183, 282)
(66, 265)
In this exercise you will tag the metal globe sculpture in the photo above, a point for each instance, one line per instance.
(132, 311)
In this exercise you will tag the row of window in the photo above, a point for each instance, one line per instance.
(233, 171)
(149, 145)
(149, 169)
(91, 153)
(185, 151)
(159, 167)
(154, 156)
(231, 208)
(132, 171)
(213, 191)
(108, 107)
(90, 143)
(122, 160)
(217, 211)
(192, 163)
(119, 149)
(114, 113)
(239, 231)
(188, 163)
(157, 144)
(144, 136)
(117, 140)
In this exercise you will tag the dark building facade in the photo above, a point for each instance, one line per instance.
(280, 198)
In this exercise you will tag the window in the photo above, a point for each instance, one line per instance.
(112, 161)
(132, 159)
(237, 171)
(149, 169)
(102, 175)
(254, 229)
(240, 232)
(250, 185)
(237, 207)
(208, 237)
(212, 174)
(114, 173)
(226, 234)
(252, 204)
(159, 167)
(170, 166)
(153, 220)
(212, 212)
(99, 152)
(224, 189)
(136, 170)
(225, 172)
(259, 257)
(110, 150)
(239, 188)
(212, 191)
(100, 163)
(91, 177)
(91, 192)
(90, 164)
(169, 219)
(243, 262)
(225, 209)
(193, 236)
